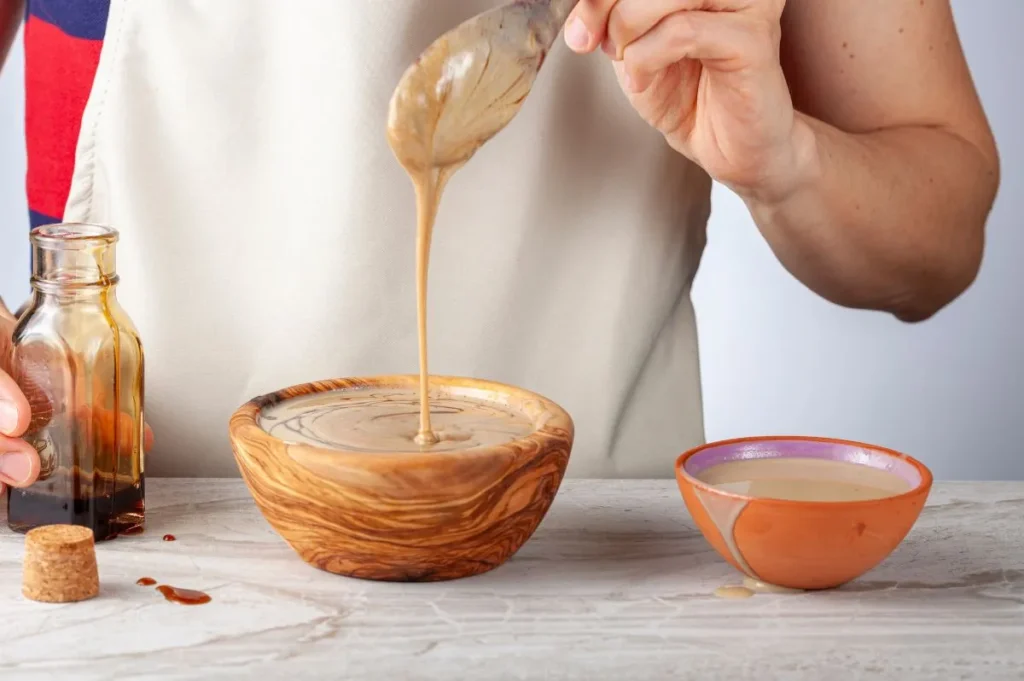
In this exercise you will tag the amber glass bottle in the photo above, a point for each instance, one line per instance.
(78, 359)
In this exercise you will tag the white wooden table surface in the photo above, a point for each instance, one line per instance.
(616, 584)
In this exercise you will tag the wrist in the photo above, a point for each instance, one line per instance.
(798, 168)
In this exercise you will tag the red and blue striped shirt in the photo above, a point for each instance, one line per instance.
(63, 39)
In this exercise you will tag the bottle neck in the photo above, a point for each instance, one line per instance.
(44, 295)
(73, 257)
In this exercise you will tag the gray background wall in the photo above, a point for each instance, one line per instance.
(775, 358)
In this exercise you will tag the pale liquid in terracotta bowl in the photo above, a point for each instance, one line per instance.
(794, 479)
(387, 419)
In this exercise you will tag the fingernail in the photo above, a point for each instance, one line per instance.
(628, 82)
(16, 467)
(577, 35)
(8, 417)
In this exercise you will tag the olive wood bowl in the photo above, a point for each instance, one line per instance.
(405, 516)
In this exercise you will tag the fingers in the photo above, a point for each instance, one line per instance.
(14, 409)
(613, 24)
(723, 40)
(19, 463)
(586, 28)
(631, 19)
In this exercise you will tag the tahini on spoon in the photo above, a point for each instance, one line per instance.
(468, 85)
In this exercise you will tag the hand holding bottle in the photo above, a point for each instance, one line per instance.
(19, 463)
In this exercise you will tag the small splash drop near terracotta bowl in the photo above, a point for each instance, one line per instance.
(802, 544)
(408, 516)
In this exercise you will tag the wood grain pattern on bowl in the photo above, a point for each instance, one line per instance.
(404, 516)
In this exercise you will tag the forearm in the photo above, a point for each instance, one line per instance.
(11, 13)
(890, 220)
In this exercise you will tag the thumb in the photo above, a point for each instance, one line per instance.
(19, 463)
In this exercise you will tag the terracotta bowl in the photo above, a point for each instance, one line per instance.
(406, 516)
(802, 544)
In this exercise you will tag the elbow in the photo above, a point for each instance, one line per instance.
(937, 291)
(938, 286)
(954, 271)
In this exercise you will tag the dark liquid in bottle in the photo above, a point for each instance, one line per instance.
(63, 499)
(183, 596)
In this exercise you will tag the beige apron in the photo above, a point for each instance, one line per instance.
(268, 232)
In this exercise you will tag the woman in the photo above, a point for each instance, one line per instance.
(267, 231)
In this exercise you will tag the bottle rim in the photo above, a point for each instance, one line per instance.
(69, 234)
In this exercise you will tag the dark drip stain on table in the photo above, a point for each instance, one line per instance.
(183, 596)
(145, 581)
(170, 537)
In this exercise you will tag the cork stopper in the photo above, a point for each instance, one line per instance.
(60, 564)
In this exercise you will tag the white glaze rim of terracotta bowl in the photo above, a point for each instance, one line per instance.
(690, 463)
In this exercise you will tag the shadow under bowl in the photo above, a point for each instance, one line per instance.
(405, 515)
(802, 544)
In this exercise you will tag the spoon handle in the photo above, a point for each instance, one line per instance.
(552, 13)
(560, 10)
(546, 16)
